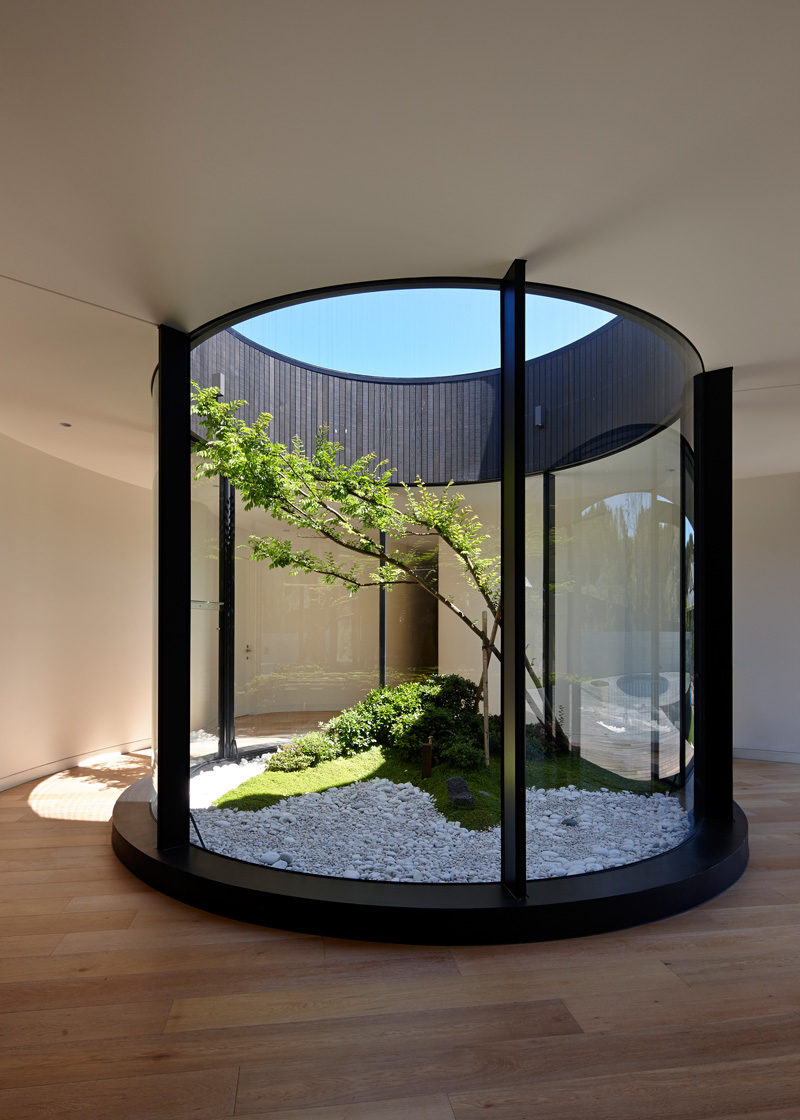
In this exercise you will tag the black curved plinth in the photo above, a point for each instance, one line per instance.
(431, 913)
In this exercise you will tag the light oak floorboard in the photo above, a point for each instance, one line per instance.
(720, 1092)
(288, 1005)
(118, 1020)
(301, 1061)
(200, 1095)
(409, 1108)
(300, 967)
(702, 1003)
(116, 1001)
(514, 1064)
(94, 922)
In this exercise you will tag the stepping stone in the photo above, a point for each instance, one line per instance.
(459, 793)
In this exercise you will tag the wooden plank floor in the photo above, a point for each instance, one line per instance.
(117, 1002)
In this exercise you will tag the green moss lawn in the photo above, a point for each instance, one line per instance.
(271, 786)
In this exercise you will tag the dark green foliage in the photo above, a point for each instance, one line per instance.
(351, 731)
(460, 753)
(454, 693)
(537, 744)
(495, 736)
(379, 720)
(447, 718)
(440, 710)
(304, 751)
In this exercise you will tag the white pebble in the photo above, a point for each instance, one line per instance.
(380, 831)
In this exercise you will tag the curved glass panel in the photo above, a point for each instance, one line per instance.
(304, 649)
(607, 722)
(205, 615)
(364, 649)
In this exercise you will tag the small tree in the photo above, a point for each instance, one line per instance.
(349, 506)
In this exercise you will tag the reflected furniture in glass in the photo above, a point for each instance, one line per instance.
(602, 475)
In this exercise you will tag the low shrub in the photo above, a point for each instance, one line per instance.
(351, 730)
(304, 751)
(379, 720)
(290, 758)
(452, 692)
(448, 719)
(441, 710)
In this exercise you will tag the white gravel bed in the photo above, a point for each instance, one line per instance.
(207, 785)
(379, 830)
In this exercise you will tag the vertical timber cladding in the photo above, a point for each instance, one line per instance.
(598, 394)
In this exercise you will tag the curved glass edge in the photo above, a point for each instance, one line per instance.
(574, 295)
(609, 612)
(154, 678)
(683, 361)
(605, 391)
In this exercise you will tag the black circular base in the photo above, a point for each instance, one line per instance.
(432, 913)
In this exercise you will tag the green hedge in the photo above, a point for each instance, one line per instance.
(440, 709)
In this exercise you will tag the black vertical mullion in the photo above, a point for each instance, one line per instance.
(174, 589)
(512, 578)
(382, 620)
(713, 623)
(548, 600)
(227, 619)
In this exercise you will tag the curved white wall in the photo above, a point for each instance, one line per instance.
(75, 610)
(766, 618)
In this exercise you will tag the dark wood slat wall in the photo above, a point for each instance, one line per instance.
(597, 395)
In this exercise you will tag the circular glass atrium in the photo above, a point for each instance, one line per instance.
(429, 661)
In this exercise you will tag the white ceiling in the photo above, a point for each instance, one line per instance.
(168, 160)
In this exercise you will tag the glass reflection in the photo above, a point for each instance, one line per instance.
(604, 612)
(687, 728)
(204, 655)
(617, 607)
(304, 650)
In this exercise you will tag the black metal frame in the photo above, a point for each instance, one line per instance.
(382, 621)
(713, 857)
(227, 620)
(713, 626)
(434, 913)
(548, 600)
(173, 591)
(512, 579)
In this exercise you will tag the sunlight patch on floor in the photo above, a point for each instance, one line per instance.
(87, 792)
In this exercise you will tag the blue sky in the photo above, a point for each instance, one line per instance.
(430, 332)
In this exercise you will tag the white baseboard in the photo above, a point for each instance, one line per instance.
(20, 777)
(766, 755)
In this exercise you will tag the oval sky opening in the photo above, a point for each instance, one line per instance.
(417, 332)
